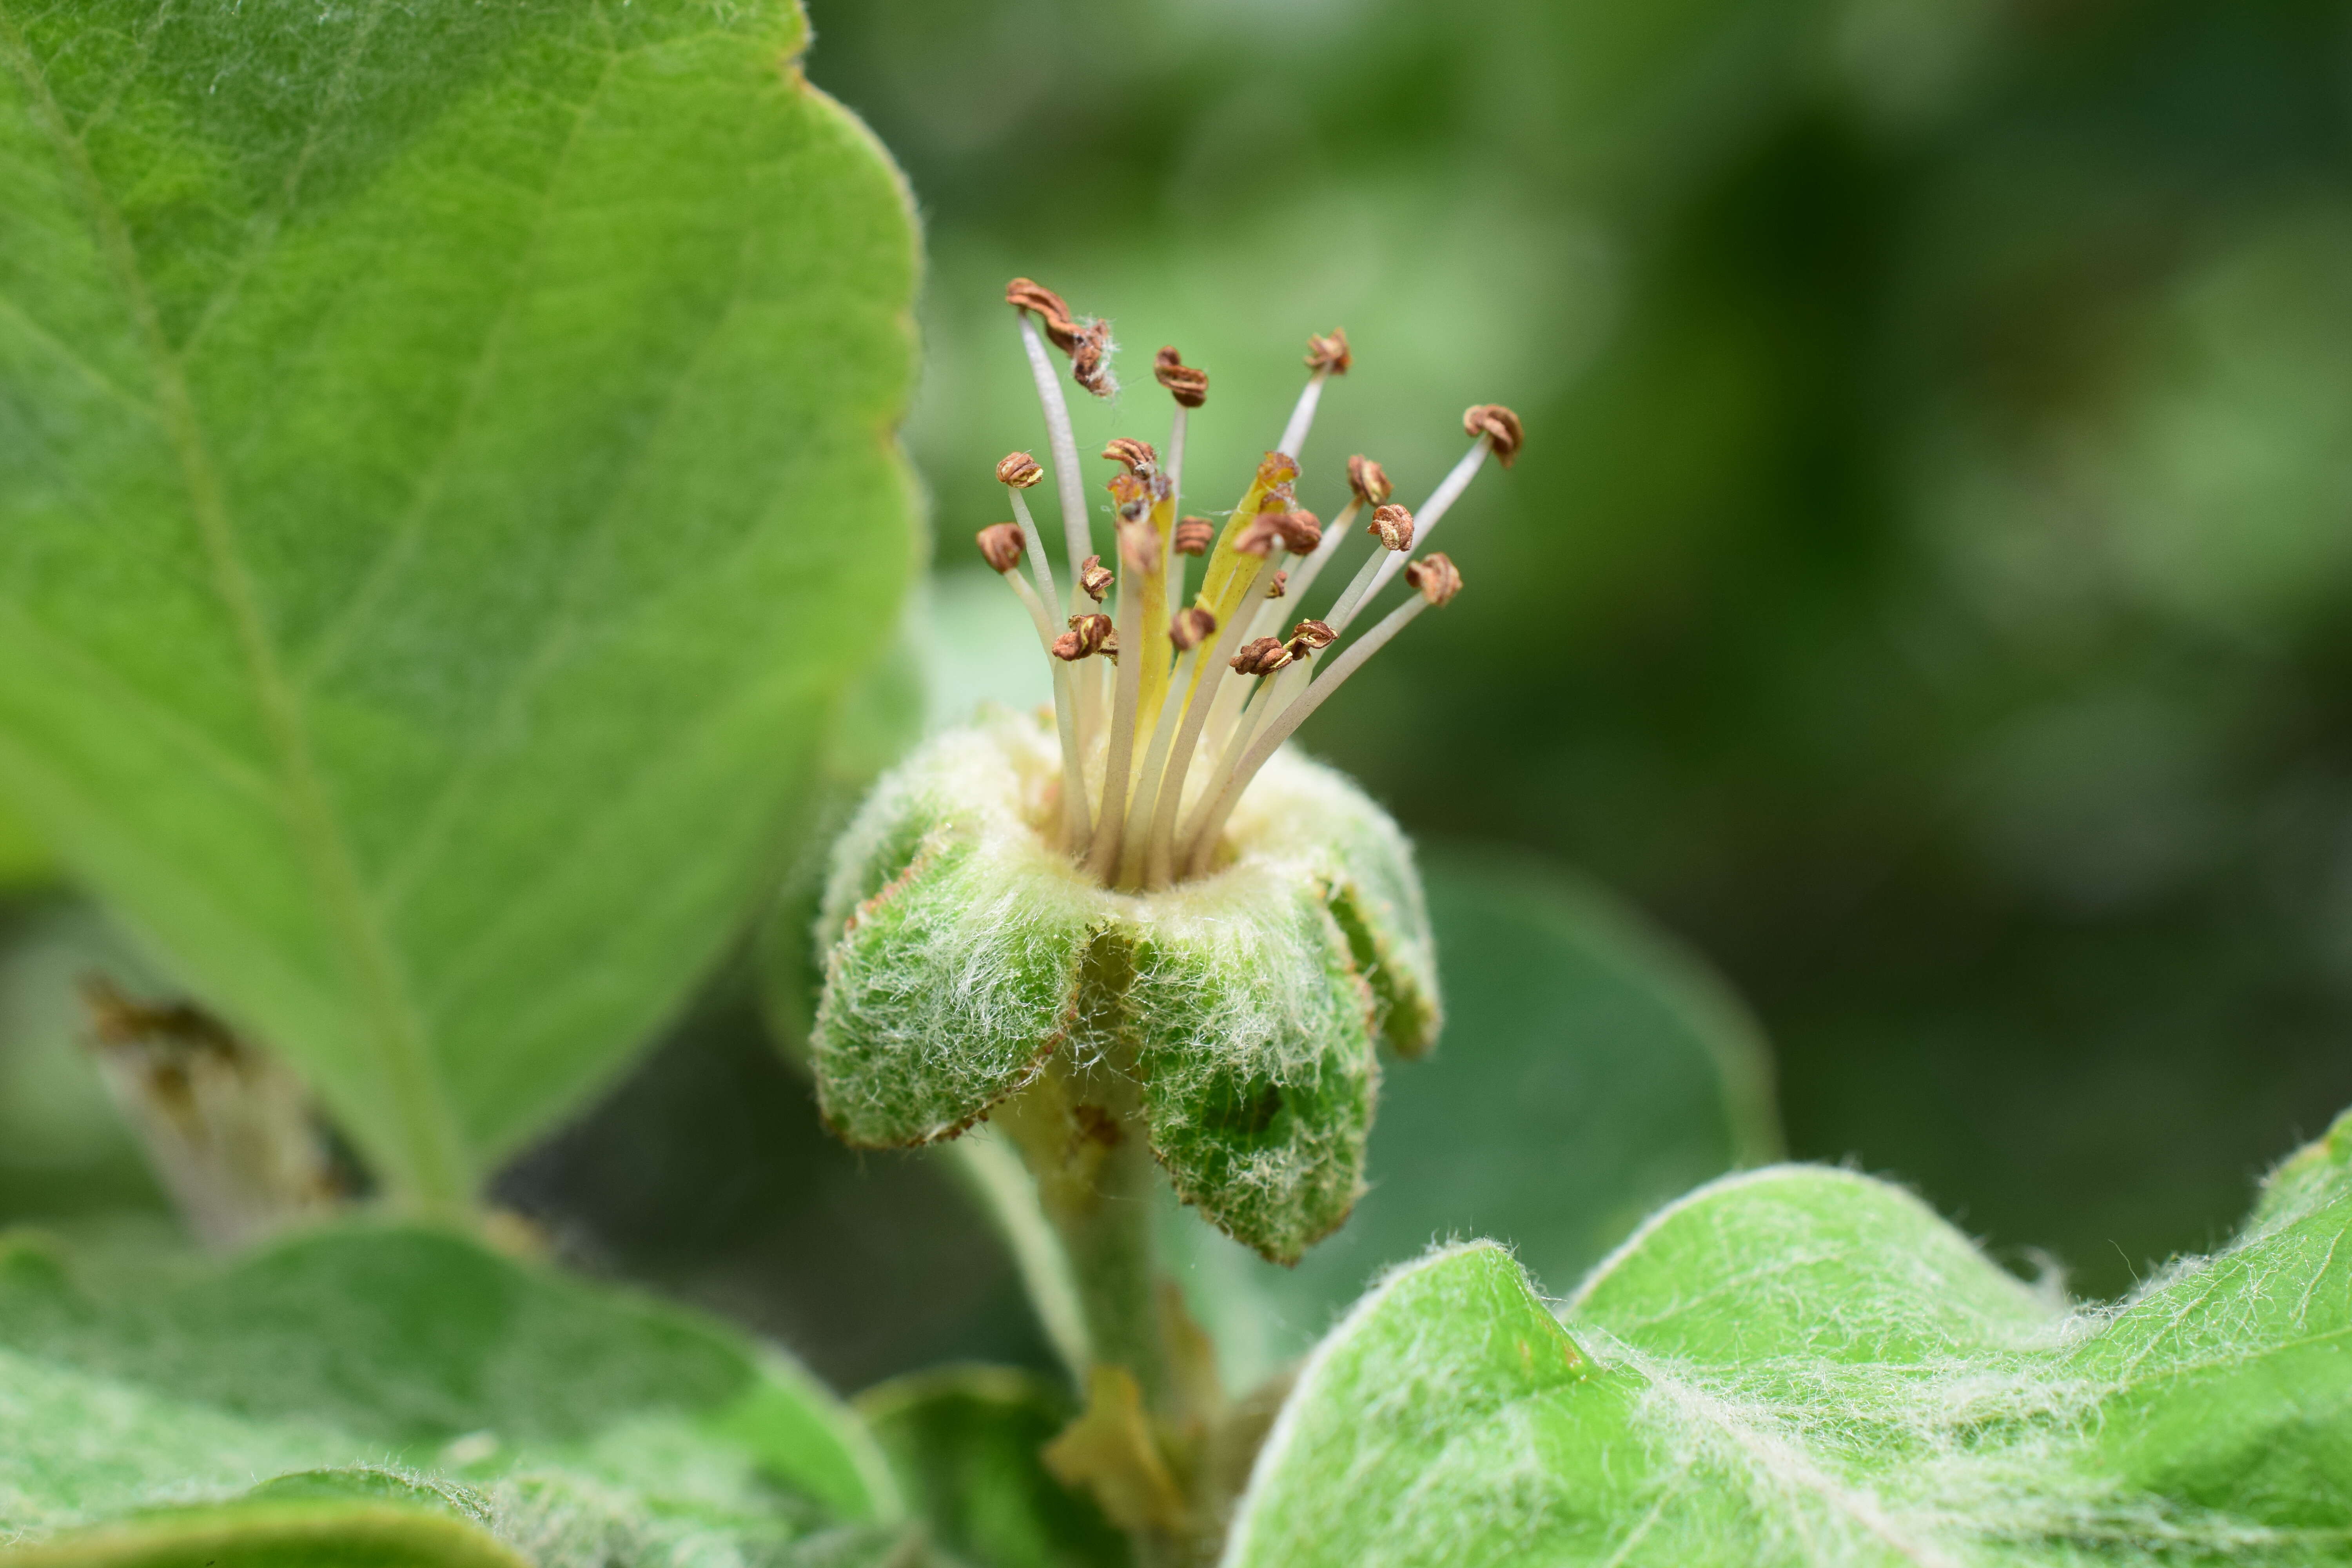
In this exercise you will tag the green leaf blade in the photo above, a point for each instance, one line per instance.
(449, 465)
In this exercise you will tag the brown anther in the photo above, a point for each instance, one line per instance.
(1024, 295)
(1001, 546)
(1088, 635)
(1194, 535)
(1140, 459)
(1328, 354)
(1191, 628)
(1498, 425)
(1394, 526)
(1279, 586)
(1090, 359)
(1088, 344)
(1126, 489)
(1019, 469)
(1264, 533)
(1369, 480)
(1187, 385)
(1094, 577)
(1261, 656)
(1310, 637)
(1434, 576)
(1277, 468)
(1301, 530)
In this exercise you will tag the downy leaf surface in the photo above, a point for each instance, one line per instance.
(447, 477)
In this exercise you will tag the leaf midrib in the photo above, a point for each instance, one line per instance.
(433, 1167)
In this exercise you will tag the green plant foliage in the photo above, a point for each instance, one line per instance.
(963, 1442)
(1800, 1365)
(1591, 1070)
(406, 1391)
(963, 952)
(445, 478)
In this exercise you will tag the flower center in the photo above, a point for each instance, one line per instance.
(1167, 708)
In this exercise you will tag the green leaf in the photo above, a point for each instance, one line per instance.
(1593, 1067)
(364, 1373)
(446, 481)
(1802, 1366)
(964, 1443)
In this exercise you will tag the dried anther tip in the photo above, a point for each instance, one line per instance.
(1328, 354)
(1088, 635)
(1019, 469)
(1300, 531)
(1001, 546)
(1261, 656)
(1187, 385)
(1264, 533)
(1394, 526)
(1194, 535)
(1310, 637)
(1140, 459)
(1498, 425)
(1279, 586)
(1276, 469)
(1369, 480)
(1190, 628)
(1088, 344)
(1095, 579)
(1434, 576)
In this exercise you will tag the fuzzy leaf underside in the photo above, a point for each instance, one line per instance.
(405, 1397)
(1806, 1366)
(957, 944)
(446, 478)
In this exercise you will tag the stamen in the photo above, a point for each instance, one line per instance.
(1161, 848)
(1076, 819)
(1188, 386)
(1193, 535)
(1136, 548)
(1027, 298)
(1326, 357)
(1395, 534)
(1087, 635)
(1138, 456)
(1094, 578)
(1497, 429)
(1262, 656)
(1188, 629)
(1438, 581)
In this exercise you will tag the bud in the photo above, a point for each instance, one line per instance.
(1434, 576)
(1187, 385)
(1369, 480)
(961, 955)
(1019, 469)
(1394, 526)
(1194, 535)
(1001, 546)
(1260, 656)
(1191, 628)
(1498, 425)
(1140, 459)
(1094, 578)
(1328, 354)
(1088, 635)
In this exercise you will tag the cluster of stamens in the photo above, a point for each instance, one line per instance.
(1163, 689)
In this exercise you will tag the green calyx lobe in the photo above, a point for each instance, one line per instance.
(963, 952)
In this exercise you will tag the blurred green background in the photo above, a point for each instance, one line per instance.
(1927, 589)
